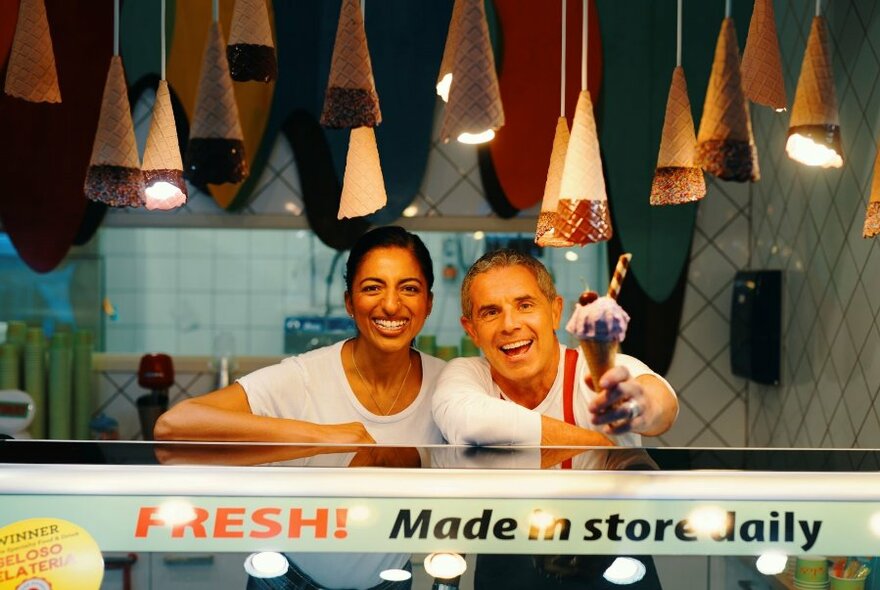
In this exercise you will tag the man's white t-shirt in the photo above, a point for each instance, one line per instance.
(470, 408)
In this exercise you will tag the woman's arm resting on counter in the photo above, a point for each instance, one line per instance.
(225, 415)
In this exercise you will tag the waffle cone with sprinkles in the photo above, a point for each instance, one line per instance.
(351, 100)
(872, 216)
(545, 234)
(363, 187)
(676, 179)
(114, 175)
(761, 65)
(725, 144)
(251, 50)
(31, 73)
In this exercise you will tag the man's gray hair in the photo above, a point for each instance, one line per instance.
(499, 259)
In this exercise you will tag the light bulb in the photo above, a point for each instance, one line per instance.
(571, 256)
(164, 195)
(443, 87)
(411, 211)
(474, 138)
(266, 564)
(801, 148)
(771, 563)
(625, 570)
(445, 565)
(395, 575)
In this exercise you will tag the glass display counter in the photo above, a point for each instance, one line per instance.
(198, 515)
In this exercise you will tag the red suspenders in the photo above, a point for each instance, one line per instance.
(571, 357)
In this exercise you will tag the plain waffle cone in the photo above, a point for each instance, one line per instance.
(725, 112)
(474, 97)
(163, 150)
(250, 24)
(761, 63)
(31, 73)
(815, 102)
(216, 113)
(872, 216)
(600, 357)
(678, 139)
(582, 176)
(363, 187)
(451, 40)
(115, 143)
(545, 234)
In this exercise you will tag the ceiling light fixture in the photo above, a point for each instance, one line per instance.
(761, 66)
(814, 129)
(251, 49)
(31, 73)
(444, 77)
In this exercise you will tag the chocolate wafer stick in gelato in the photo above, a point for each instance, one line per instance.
(599, 323)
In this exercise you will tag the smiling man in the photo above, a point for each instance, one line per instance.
(522, 391)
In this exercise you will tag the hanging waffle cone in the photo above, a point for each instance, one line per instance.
(31, 73)
(872, 216)
(582, 215)
(114, 176)
(449, 50)
(251, 50)
(162, 161)
(215, 153)
(363, 187)
(725, 144)
(351, 100)
(545, 235)
(676, 179)
(761, 63)
(814, 113)
(474, 97)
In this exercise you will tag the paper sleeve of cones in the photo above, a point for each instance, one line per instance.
(115, 143)
(474, 97)
(31, 73)
(815, 102)
(600, 357)
(872, 216)
(250, 24)
(761, 63)
(725, 113)
(363, 187)
(545, 235)
(163, 150)
(216, 113)
(678, 138)
(451, 40)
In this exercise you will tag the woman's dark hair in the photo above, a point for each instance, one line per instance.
(389, 236)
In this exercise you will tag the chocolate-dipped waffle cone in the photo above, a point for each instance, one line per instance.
(31, 73)
(449, 51)
(114, 175)
(872, 215)
(351, 100)
(474, 97)
(582, 215)
(725, 144)
(676, 179)
(215, 153)
(162, 162)
(545, 234)
(761, 63)
(251, 50)
(363, 187)
(814, 113)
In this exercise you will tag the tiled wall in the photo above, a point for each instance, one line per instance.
(808, 222)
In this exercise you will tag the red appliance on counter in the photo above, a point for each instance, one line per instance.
(156, 373)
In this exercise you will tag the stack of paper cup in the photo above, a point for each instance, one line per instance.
(59, 386)
(811, 572)
(82, 383)
(35, 379)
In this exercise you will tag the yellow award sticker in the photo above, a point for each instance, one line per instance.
(47, 553)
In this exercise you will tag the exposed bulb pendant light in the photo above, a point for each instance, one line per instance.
(444, 77)
(872, 216)
(676, 178)
(761, 66)
(545, 233)
(114, 175)
(725, 143)
(251, 49)
(474, 112)
(814, 129)
(582, 215)
(215, 152)
(164, 185)
(31, 73)
(363, 185)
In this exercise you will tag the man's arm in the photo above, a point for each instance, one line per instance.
(657, 403)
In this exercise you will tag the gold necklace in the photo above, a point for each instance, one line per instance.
(370, 385)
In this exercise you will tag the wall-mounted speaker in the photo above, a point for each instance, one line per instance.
(755, 325)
